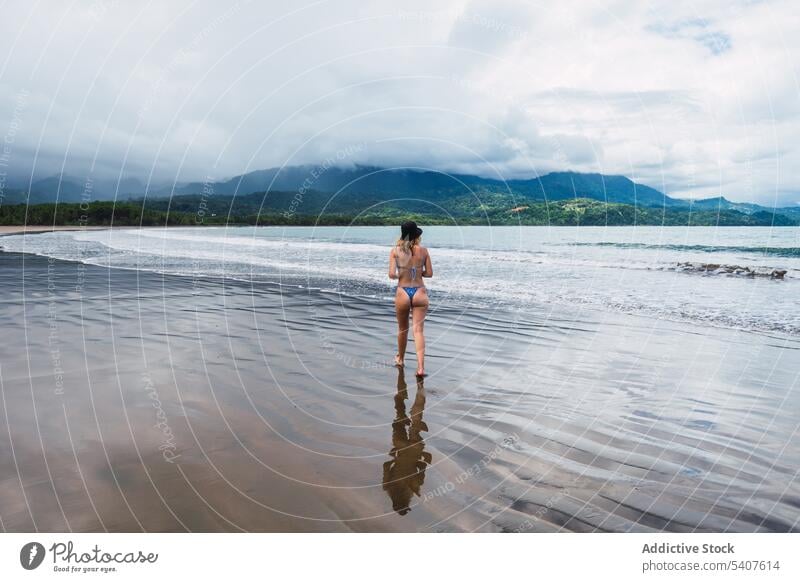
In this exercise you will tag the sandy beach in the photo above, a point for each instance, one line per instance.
(134, 401)
(31, 229)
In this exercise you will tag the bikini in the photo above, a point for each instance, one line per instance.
(410, 291)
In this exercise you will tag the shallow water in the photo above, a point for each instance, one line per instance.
(625, 269)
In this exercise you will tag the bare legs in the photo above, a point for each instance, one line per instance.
(417, 310)
(403, 309)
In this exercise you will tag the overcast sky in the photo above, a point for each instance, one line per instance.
(694, 98)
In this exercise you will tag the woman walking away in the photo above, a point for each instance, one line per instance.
(409, 263)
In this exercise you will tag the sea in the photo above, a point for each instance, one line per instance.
(745, 278)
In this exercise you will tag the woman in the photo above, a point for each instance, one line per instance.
(409, 263)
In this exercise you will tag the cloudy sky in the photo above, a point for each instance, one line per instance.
(694, 98)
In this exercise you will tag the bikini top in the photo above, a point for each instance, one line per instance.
(414, 268)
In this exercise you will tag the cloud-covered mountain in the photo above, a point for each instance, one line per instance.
(71, 189)
(430, 186)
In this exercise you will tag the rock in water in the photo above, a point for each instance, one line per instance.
(738, 270)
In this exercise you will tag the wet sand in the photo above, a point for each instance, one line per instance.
(139, 402)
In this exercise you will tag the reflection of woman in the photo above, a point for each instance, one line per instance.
(409, 262)
(404, 473)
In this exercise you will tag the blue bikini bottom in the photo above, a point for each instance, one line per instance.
(410, 291)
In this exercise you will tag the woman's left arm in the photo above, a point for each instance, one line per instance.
(428, 271)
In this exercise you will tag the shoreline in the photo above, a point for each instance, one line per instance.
(38, 229)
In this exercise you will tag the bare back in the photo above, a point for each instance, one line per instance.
(410, 266)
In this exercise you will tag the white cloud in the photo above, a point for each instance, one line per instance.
(697, 98)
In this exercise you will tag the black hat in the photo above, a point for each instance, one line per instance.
(409, 230)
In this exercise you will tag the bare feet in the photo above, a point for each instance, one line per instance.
(398, 362)
(421, 373)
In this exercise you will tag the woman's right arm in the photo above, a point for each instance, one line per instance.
(392, 265)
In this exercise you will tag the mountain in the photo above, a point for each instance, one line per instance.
(722, 203)
(361, 179)
(68, 189)
(386, 184)
(314, 190)
(13, 196)
(615, 189)
(44, 191)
